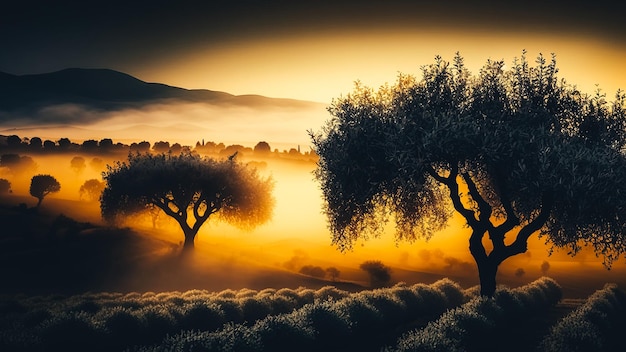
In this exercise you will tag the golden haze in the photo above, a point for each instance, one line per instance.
(297, 236)
(321, 66)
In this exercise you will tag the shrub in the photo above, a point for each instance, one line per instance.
(597, 325)
(201, 316)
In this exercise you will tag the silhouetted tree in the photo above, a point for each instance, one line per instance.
(91, 189)
(42, 185)
(141, 147)
(333, 273)
(5, 186)
(176, 148)
(262, 148)
(14, 142)
(49, 145)
(18, 164)
(64, 143)
(234, 148)
(89, 146)
(78, 164)
(189, 189)
(161, 147)
(380, 274)
(545, 266)
(35, 144)
(515, 152)
(105, 145)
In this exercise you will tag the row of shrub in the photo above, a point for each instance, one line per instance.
(93, 303)
(598, 325)
(361, 321)
(485, 324)
(117, 320)
(114, 321)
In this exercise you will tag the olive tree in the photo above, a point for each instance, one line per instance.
(91, 189)
(42, 185)
(516, 152)
(189, 189)
(5, 186)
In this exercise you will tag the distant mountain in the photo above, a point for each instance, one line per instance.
(104, 89)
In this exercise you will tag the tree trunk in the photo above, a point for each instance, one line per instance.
(190, 236)
(39, 202)
(188, 245)
(487, 273)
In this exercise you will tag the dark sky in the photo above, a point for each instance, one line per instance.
(40, 36)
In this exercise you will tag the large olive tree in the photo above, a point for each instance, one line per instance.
(189, 189)
(515, 151)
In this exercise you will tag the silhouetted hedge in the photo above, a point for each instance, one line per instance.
(598, 325)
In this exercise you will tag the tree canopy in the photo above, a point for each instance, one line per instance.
(189, 189)
(515, 151)
(42, 185)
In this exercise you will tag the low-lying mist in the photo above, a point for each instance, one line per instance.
(185, 123)
(293, 249)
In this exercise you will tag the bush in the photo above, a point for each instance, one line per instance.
(597, 325)
(483, 323)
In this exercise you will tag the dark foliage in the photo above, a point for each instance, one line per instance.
(189, 189)
(515, 152)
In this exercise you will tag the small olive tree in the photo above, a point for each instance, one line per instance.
(189, 189)
(91, 189)
(42, 185)
(5, 186)
(516, 152)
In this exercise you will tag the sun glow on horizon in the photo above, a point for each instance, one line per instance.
(320, 67)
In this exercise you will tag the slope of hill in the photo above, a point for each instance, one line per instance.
(104, 89)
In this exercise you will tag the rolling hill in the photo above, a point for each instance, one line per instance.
(109, 90)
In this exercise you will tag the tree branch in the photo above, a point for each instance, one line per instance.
(476, 244)
(453, 186)
(520, 245)
(485, 210)
(483, 206)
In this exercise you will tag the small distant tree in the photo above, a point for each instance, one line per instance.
(176, 148)
(89, 146)
(49, 145)
(42, 185)
(14, 142)
(64, 143)
(91, 189)
(333, 273)
(161, 147)
(545, 267)
(5, 186)
(105, 145)
(35, 144)
(189, 189)
(141, 147)
(78, 164)
(18, 164)
(380, 274)
(262, 148)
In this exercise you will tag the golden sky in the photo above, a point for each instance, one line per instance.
(321, 67)
(308, 50)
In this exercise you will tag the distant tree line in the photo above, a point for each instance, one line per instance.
(14, 144)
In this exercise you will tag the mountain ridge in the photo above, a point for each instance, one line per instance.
(107, 89)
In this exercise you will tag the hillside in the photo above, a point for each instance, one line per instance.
(105, 89)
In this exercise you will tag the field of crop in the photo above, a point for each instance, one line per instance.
(438, 317)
